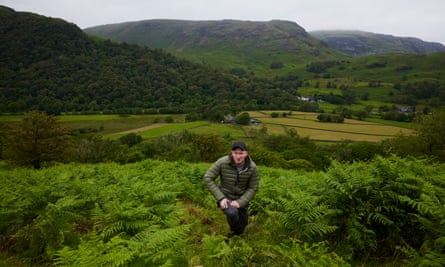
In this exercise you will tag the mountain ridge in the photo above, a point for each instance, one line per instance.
(257, 45)
(52, 65)
(254, 45)
(361, 43)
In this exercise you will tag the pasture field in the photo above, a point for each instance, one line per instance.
(220, 129)
(159, 129)
(107, 123)
(306, 125)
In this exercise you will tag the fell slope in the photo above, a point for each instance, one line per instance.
(360, 43)
(257, 46)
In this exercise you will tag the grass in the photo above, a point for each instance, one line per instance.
(160, 129)
(11, 118)
(219, 129)
(306, 125)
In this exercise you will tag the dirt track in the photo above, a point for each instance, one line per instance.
(141, 129)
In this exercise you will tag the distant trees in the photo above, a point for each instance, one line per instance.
(243, 119)
(276, 65)
(38, 138)
(131, 139)
(395, 115)
(321, 66)
(324, 117)
(68, 71)
(74, 73)
(289, 151)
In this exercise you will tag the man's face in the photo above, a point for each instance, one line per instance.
(239, 156)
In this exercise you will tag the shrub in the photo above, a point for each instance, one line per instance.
(276, 65)
(131, 139)
(324, 117)
(243, 119)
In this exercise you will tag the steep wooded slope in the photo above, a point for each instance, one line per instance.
(51, 65)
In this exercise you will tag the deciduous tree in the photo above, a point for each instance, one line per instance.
(432, 131)
(38, 138)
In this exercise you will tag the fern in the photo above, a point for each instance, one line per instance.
(92, 251)
(119, 217)
(304, 254)
(380, 218)
(139, 215)
(158, 246)
(382, 202)
(304, 216)
(219, 253)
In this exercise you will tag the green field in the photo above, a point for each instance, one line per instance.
(306, 125)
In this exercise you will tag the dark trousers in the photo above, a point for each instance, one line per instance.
(237, 219)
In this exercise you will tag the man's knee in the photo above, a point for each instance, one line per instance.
(232, 213)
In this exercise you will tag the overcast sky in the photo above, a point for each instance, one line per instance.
(406, 18)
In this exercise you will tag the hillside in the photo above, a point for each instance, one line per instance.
(360, 43)
(262, 47)
(51, 65)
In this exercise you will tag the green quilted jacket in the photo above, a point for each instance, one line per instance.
(241, 186)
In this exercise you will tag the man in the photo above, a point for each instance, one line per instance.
(237, 186)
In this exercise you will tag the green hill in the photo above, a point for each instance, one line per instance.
(382, 80)
(262, 47)
(51, 65)
(360, 43)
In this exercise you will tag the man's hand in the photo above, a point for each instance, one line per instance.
(234, 204)
(224, 203)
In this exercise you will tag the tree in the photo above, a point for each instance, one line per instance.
(96, 149)
(369, 109)
(207, 148)
(361, 114)
(131, 139)
(432, 131)
(38, 138)
(243, 119)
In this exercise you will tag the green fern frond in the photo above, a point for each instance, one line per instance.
(164, 196)
(158, 245)
(304, 215)
(419, 206)
(92, 251)
(318, 229)
(380, 218)
(304, 254)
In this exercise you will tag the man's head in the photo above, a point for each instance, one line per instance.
(239, 153)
